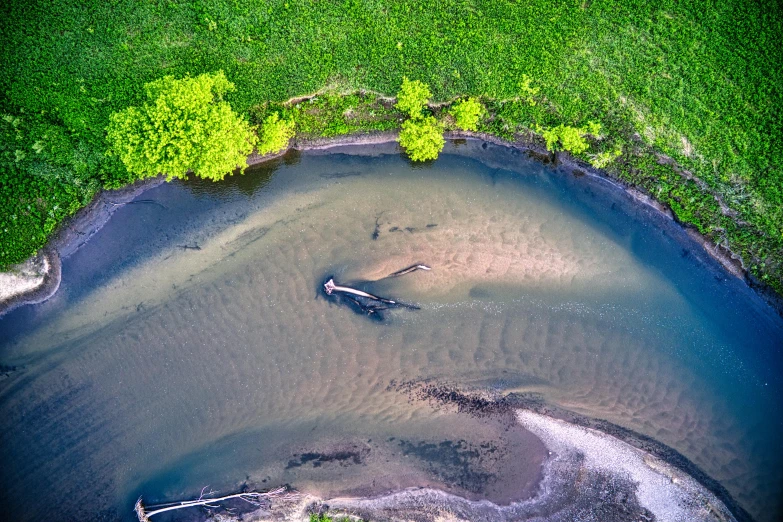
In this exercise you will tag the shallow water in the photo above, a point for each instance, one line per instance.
(189, 344)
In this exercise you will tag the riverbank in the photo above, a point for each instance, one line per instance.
(31, 282)
(18, 290)
(593, 469)
(558, 426)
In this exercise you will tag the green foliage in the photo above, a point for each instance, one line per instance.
(327, 518)
(565, 137)
(331, 114)
(183, 126)
(45, 176)
(466, 113)
(593, 128)
(412, 97)
(604, 158)
(422, 138)
(527, 91)
(275, 134)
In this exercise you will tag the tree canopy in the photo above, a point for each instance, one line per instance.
(422, 138)
(466, 113)
(412, 97)
(184, 125)
(275, 134)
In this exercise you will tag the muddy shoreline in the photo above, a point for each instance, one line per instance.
(535, 403)
(568, 489)
(89, 220)
(479, 404)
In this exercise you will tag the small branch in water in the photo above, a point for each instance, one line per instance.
(135, 201)
(189, 247)
(377, 231)
(368, 303)
(408, 270)
(370, 309)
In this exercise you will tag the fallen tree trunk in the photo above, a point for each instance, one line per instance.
(253, 497)
(330, 287)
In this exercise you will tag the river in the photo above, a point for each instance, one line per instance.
(190, 343)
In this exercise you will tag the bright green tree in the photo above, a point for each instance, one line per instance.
(274, 134)
(412, 98)
(184, 125)
(565, 137)
(466, 114)
(422, 138)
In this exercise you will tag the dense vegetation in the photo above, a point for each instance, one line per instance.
(466, 114)
(688, 93)
(327, 518)
(183, 126)
(275, 134)
(422, 138)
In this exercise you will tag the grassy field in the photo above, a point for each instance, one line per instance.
(690, 91)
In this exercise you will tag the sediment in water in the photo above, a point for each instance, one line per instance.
(76, 231)
(607, 473)
(557, 425)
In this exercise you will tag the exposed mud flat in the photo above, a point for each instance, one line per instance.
(588, 475)
(205, 354)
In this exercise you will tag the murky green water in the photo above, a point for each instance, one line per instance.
(189, 344)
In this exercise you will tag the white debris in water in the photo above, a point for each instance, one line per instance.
(666, 491)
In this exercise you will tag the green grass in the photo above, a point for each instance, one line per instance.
(700, 82)
(326, 518)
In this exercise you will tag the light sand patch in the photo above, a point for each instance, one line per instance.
(670, 494)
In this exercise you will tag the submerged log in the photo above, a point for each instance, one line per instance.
(366, 302)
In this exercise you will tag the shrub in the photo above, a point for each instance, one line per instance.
(275, 134)
(422, 138)
(565, 137)
(412, 97)
(183, 126)
(593, 128)
(466, 113)
(527, 92)
(327, 518)
(572, 139)
(603, 159)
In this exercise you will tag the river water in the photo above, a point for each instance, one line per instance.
(189, 344)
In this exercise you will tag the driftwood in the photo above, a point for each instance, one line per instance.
(367, 302)
(408, 270)
(252, 497)
(330, 287)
